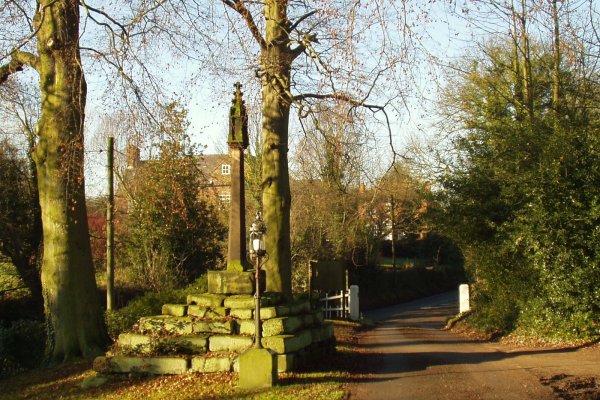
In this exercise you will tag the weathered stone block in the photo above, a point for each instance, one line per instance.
(207, 312)
(212, 326)
(279, 326)
(288, 343)
(166, 323)
(229, 343)
(300, 307)
(211, 364)
(206, 299)
(152, 365)
(308, 320)
(246, 327)
(176, 310)
(274, 312)
(244, 301)
(190, 344)
(285, 362)
(241, 313)
(135, 342)
(258, 369)
(230, 282)
(323, 336)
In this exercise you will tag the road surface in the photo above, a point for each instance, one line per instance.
(414, 358)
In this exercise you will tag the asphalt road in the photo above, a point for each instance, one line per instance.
(414, 358)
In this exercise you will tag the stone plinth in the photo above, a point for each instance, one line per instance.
(258, 369)
(214, 330)
(230, 282)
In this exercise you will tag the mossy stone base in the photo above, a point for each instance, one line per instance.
(230, 282)
(258, 369)
(281, 344)
(212, 326)
(207, 312)
(244, 301)
(229, 343)
(151, 365)
(176, 310)
(274, 312)
(206, 299)
(241, 313)
(280, 326)
(211, 364)
(166, 323)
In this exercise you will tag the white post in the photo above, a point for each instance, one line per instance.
(463, 298)
(353, 303)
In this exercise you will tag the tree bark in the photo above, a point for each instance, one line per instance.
(71, 299)
(276, 61)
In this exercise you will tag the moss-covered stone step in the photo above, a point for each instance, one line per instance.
(283, 325)
(214, 326)
(143, 344)
(244, 301)
(241, 313)
(152, 365)
(229, 343)
(135, 342)
(206, 299)
(300, 307)
(212, 363)
(274, 312)
(183, 325)
(322, 332)
(166, 323)
(282, 344)
(246, 327)
(176, 310)
(194, 310)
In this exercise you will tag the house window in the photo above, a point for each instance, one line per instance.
(225, 169)
(224, 198)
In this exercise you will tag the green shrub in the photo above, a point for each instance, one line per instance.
(21, 346)
(118, 321)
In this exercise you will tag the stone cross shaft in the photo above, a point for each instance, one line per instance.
(237, 141)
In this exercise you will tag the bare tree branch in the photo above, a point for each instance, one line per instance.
(19, 59)
(239, 7)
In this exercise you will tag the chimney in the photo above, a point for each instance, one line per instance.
(133, 156)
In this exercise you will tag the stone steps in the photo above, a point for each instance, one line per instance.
(209, 332)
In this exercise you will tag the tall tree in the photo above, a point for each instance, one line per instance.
(72, 307)
(288, 35)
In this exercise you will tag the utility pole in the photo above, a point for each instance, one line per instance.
(393, 218)
(110, 237)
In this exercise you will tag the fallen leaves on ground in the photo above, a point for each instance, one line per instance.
(325, 380)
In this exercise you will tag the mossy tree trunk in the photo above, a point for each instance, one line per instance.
(276, 61)
(71, 300)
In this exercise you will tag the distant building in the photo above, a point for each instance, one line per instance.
(214, 175)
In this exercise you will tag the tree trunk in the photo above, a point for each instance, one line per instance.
(72, 304)
(276, 61)
(556, 67)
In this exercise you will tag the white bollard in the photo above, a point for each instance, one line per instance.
(463, 298)
(353, 303)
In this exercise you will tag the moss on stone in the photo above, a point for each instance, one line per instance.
(206, 299)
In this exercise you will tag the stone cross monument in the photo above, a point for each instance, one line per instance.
(236, 279)
(237, 142)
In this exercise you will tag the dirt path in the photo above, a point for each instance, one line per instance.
(414, 358)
